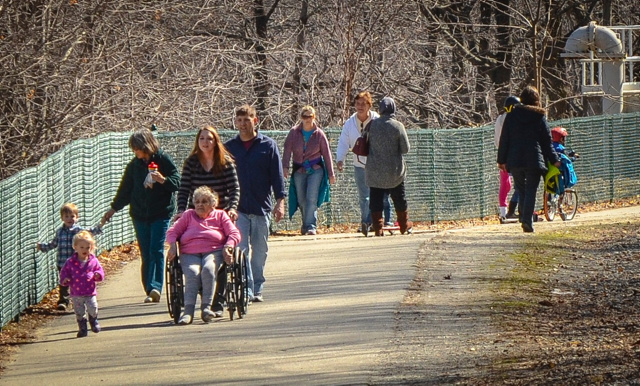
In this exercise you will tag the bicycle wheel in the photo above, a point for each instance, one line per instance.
(550, 205)
(569, 205)
(174, 289)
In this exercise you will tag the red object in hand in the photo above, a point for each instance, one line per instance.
(153, 167)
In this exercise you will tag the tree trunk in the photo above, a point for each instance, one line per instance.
(297, 71)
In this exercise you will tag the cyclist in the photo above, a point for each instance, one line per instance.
(569, 178)
(558, 136)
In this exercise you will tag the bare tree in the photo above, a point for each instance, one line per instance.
(73, 69)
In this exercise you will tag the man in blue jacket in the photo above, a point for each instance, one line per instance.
(259, 168)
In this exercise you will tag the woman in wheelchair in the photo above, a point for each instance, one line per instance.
(207, 236)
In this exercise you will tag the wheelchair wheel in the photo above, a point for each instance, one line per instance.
(568, 205)
(174, 289)
(230, 293)
(550, 205)
(240, 277)
(236, 290)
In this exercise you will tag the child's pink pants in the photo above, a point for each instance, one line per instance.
(505, 187)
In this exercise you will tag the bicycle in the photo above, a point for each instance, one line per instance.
(564, 204)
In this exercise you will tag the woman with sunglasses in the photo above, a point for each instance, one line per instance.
(307, 149)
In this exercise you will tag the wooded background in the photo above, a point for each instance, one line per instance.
(75, 68)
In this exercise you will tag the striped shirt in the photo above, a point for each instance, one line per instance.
(194, 176)
(64, 241)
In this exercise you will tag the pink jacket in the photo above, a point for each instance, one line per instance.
(197, 235)
(317, 146)
(82, 277)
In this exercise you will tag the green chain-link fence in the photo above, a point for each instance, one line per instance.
(452, 175)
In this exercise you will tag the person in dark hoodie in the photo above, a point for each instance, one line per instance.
(148, 186)
(386, 170)
(524, 150)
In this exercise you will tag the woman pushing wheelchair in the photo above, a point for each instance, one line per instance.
(207, 237)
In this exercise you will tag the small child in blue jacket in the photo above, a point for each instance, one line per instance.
(558, 135)
(569, 178)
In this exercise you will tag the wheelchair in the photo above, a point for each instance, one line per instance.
(231, 283)
(233, 278)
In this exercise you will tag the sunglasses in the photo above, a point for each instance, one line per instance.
(306, 116)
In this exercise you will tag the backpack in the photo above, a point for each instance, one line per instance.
(568, 174)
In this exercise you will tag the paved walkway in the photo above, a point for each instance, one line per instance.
(328, 314)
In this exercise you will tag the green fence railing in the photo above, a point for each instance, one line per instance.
(452, 175)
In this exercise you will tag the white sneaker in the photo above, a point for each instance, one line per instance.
(148, 299)
(154, 295)
(185, 319)
(207, 315)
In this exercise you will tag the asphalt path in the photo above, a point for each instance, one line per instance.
(327, 317)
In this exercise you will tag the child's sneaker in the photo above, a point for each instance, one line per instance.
(95, 326)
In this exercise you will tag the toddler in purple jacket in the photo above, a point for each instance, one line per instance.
(81, 272)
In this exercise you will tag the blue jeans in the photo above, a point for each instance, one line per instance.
(254, 230)
(363, 198)
(151, 236)
(526, 181)
(307, 190)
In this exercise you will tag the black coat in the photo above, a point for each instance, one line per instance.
(148, 204)
(525, 141)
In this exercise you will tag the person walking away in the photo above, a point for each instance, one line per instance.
(386, 169)
(505, 210)
(63, 241)
(351, 131)
(147, 186)
(524, 150)
(81, 272)
(259, 167)
(307, 148)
